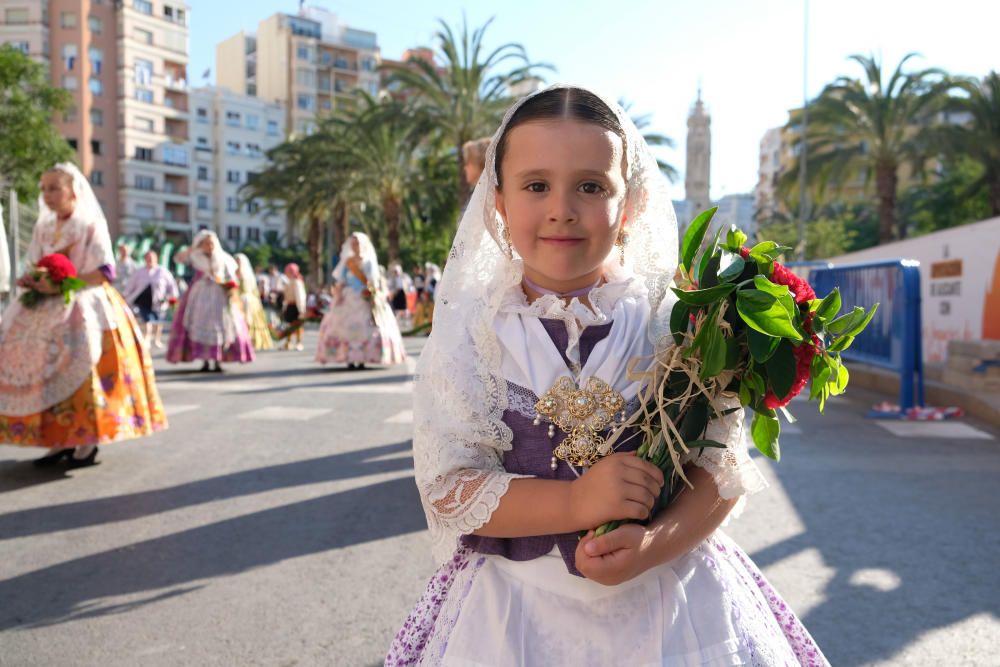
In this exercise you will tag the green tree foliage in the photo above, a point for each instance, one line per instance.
(29, 144)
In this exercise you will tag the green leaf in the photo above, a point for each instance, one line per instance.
(745, 392)
(707, 260)
(846, 322)
(772, 320)
(693, 423)
(731, 267)
(860, 326)
(703, 297)
(781, 369)
(735, 238)
(780, 292)
(840, 344)
(828, 307)
(789, 417)
(768, 250)
(694, 235)
(840, 383)
(698, 444)
(680, 320)
(819, 381)
(765, 431)
(713, 352)
(761, 345)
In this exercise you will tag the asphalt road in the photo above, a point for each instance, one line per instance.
(276, 523)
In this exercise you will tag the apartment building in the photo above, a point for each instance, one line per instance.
(125, 64)
(310, 62)
(230, 134)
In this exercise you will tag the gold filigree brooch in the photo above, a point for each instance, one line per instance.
(582, 413)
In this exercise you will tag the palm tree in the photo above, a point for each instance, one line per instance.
(873, 127)
(467, 96)
(978, 137)
(642, 122)
(381, 145)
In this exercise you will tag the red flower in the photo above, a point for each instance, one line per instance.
(799, 288)
(58, 266)
(804, 353)
(230, 284)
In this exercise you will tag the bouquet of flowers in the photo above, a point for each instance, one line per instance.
(58, 271)
(746, 325)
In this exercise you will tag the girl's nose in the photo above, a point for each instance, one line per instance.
(563, 209)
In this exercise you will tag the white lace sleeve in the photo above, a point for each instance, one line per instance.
(732, 469)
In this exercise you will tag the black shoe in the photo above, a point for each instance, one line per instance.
(53, 458)
(205, 368)
(83, 463)
(361, 367)
(351, 367)
(218, 368)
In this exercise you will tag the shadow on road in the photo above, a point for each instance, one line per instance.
(910, 534)
(81, 514)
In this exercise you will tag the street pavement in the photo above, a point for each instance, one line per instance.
(276, 523)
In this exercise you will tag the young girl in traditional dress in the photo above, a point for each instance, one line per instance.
(359, 328)
(559, 272)
(209, 323)
(75, 375)
(294, 304)
(253, 309)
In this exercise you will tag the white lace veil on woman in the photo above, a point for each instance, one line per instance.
(460, 395)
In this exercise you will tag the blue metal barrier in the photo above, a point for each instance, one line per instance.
(892, 339)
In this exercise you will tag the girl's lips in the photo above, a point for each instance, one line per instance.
(560, 240)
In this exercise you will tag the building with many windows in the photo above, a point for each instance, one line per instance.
(125, 64)
(309, 62)
(230, 135)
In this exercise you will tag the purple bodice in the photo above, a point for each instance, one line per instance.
(531, 454)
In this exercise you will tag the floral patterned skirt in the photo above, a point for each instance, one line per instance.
(118, 401)
(711, 606)
(349, 334)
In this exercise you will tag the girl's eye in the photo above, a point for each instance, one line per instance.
(536, 187)
(592, 188)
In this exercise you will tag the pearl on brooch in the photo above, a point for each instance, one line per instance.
(552, 430)
(537, 420)
(554, 464)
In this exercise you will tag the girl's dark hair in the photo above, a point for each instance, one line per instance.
(570, 102)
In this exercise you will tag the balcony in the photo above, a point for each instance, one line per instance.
(176, 100)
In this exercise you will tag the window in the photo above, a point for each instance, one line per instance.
(95, 146)
(144, 95)
(95, 24)
(16, 16)
(232, 176)
(145, 211)
(69, 82)
(97, 118)
(203, 144)
(252, 121)
(253, 235)
(175, 155)
(253, 207)
(69, 115)
(67, 19)
(144, 154)
(145, 182)
(97, 178)
(202, 114)
(96, 87)
(303, 52)
(233, 147)
(272, 128)
(305, 78)
(72, 143)
(142, 36)
(305, 102)
(233, 118)
(23, 47)
(143, 72)
(233, 233)
(143, 6)
(69, 53)
(144, 124)
(175, 14)
(254, 150)
(202, 202)
(232, 204)
(202, 173)
(96, 60)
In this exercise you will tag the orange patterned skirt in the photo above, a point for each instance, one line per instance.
(118, 401)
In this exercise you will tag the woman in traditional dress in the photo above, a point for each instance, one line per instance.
(209, 323)
(74, 375)
(359, 328)
(150, 290)
(293, 305)
(253, 309)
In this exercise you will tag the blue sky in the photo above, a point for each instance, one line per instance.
(747, 54)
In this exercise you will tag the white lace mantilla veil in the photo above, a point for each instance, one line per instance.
(367, 254)
(220, 264)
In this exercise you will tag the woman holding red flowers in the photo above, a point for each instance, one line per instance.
(74, 371)
(209, 323)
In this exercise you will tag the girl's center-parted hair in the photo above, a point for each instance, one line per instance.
(560, 103)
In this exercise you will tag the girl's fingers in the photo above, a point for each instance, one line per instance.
(640, 478)
(650, 469)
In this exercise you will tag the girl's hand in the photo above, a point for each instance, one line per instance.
(619, 486)
(615, 557)
(26, 281)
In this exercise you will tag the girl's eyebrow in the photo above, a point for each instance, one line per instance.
(529, 173)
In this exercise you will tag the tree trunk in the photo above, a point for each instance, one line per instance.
(315, 251)
(994, 181)
(885, 183)
(464, 189)
(341, 221)
(391, 210)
